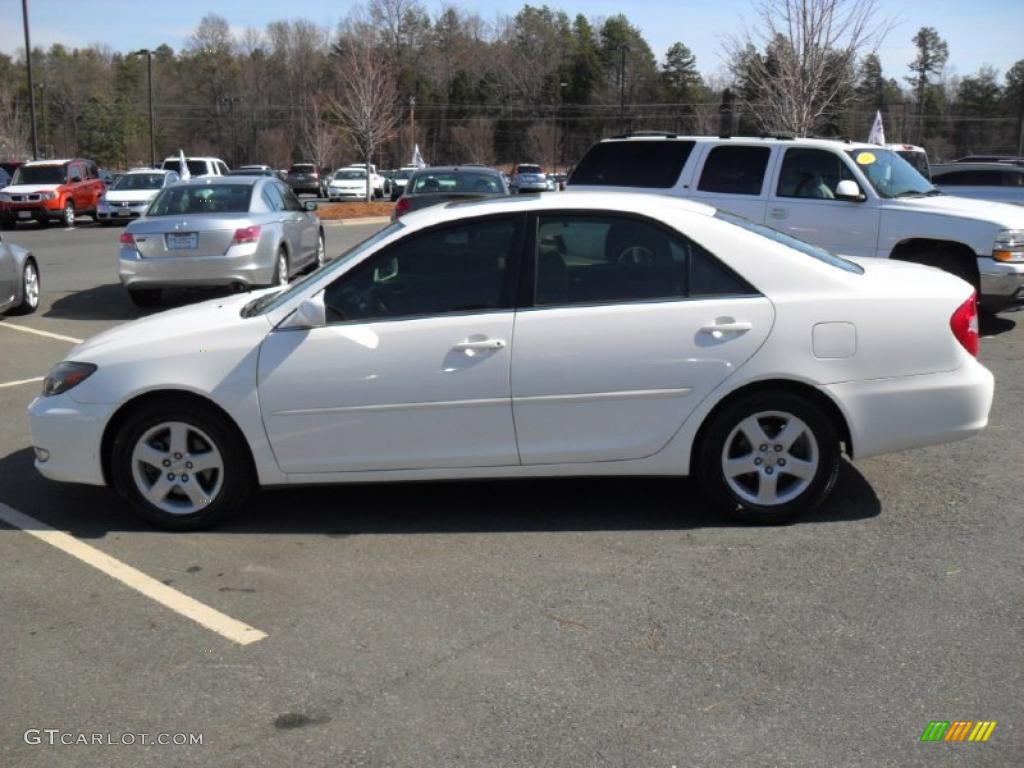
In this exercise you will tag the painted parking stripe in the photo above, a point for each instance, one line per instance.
(37, 332)
(215, 621)
(18, 383)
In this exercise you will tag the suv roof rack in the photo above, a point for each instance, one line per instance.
(633, 134)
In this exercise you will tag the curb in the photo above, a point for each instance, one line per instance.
(356, 222)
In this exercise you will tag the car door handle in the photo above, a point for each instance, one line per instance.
(475, 345)
(716, 329)
(779, 213)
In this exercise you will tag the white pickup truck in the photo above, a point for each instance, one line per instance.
(853, 199)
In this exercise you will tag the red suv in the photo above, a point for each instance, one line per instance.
(51, 190)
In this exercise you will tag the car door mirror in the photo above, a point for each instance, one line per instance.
(310, 314)
(849, 190)
(310, 205)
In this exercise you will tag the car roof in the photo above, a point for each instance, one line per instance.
(625, 202)
(135, 171)
(194, 157)
(40, 163)
(768, 140)
(241, 180)
(458, 168)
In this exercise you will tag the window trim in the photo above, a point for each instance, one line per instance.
(506, 302)
(528, 263)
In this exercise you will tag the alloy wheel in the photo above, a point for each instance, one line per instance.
(282, 269)
(177, 468)
(31, 286)
(770, 458)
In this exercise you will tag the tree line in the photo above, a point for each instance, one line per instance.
(537, 86)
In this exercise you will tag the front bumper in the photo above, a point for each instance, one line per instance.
(38, 210)
(1002, 283)
(71, 433)
(116, 211)
(887, 415)
(334, 193)
(243, 265)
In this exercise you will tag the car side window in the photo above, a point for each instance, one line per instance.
(272, 197)
(734, 170)
(291, 202)
(458, 268)
(74, 174)
(222, 168)
(584, 259)
(812, 173)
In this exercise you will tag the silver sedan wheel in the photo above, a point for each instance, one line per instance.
(177, 468)
(321, 251)
(30, 286)
(770, 458)
(282, 269)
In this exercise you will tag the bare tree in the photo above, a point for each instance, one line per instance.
(475, 140)
(807, 68)
(13, 125)
(320, 138)
(366, 100)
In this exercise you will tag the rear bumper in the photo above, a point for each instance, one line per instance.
(887, 415)
(245, 265)
(1002, 284)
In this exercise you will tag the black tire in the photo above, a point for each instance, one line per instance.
(28, 305)
(808, 493)
(234, 487)
(281, 251)
(145, 297)
(67, 216)
(6, 222)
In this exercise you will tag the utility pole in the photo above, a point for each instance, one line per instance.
(1020, 122)
(149, 79)
(412, 124)
(31, 91)
(622, 86)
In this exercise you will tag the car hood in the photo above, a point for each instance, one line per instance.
(131, 195)
(1002, 214)
(28, 189)
(195, 327)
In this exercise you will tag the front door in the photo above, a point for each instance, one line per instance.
(412, 369)
(632, 326)
(803, 204)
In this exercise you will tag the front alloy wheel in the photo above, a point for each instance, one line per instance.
(29, 289)
(321, 251)
(68, 216)
(177, 468)
(769, 456)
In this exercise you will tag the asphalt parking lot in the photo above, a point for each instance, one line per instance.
(557, 622)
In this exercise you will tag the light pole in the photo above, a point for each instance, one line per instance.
(31, 90)
(412, 124)
(149, 79)
(622, 86)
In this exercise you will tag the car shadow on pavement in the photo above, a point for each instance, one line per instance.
(993, 325)
(478, 506)
(111, 302)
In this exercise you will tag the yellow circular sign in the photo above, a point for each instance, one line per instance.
(866, 158)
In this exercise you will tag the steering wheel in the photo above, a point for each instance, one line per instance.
(635, 254)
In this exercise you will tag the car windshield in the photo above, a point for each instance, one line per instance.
(350, 175)
(139, 181)
(202, 198)
(528, 169)
(302, 169)
(250, 172)
(891, 175)
(39, 174)
(797, 245)
(271, 301)
(457, 182)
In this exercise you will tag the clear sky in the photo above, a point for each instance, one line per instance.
(978, 31)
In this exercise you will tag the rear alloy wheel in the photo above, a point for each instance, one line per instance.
(145, 297)
(321, 251)
(67, 218)
(768, 457)
(281, 270)
(29, 289)
(180, 465)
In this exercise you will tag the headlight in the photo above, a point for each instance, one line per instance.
(4, 197)
(1009, 245)
(64, 376)
(47, 195)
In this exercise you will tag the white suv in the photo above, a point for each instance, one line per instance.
(197, 166)
(853, 199)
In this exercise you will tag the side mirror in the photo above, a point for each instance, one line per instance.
(310, 314)
(850, 190)
(309, 205)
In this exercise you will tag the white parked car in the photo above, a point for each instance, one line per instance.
(347, 184)
(130, 196)
(376, 180)
(853, 199)
(624, 335)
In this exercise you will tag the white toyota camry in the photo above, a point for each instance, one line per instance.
(570, 334)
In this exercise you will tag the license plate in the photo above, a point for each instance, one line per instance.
(24, 214)
(124, 213)
(182, 242)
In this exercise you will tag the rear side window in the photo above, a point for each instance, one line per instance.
(734, 170)
(654, 164)
(585, 259)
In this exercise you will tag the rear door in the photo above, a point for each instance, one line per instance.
(626, 327)
(734, 178)
(301, 237)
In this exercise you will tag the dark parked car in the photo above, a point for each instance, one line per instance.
(441, 184)
(306, 177)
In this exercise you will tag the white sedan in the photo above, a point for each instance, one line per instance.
(570, 334)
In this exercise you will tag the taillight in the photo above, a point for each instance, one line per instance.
(127, 239)
(246, 235)
(964, 324)
(402, 206)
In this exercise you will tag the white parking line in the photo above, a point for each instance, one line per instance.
(20, 382)
(47, 334)
(204, 615)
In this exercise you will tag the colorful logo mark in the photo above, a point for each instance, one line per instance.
(958, 730)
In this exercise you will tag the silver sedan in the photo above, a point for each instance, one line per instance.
(239, 231)
(19, 280)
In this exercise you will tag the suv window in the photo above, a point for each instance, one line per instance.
(584, 259)
(74, 173)
(457, 268)
(222, 168)
(652, 164)
(812, 173)
(734, 170)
